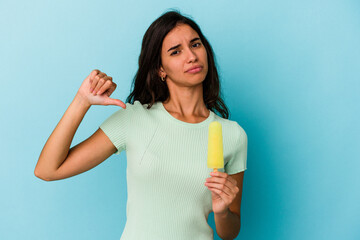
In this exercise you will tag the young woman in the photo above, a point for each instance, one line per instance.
(164, 129)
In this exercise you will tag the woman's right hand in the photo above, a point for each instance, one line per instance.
(97, 88)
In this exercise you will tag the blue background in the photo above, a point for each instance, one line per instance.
(290, 77)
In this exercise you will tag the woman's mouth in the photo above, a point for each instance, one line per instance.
(195, 70)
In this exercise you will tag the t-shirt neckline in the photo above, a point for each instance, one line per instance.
(172, 118)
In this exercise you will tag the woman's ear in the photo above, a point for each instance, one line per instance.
(162, 72)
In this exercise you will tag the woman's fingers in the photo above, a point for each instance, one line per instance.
(97, 89)
(95, 80)
(107, 85)
(93, 74)
(108, 91)
(100, 82)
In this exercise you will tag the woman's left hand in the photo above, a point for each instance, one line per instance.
(223, 191)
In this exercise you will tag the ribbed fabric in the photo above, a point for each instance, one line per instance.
(167, 168)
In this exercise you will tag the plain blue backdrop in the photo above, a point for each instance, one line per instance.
(290, 77)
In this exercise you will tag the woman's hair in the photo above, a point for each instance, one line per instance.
(148, 87)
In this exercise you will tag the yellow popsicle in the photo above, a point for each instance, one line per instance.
(215, 146)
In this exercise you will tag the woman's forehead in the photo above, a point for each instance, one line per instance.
(178, 34)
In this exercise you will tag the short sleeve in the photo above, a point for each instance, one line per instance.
(237, 162)
(116, 126)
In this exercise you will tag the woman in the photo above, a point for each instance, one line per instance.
(163, 127)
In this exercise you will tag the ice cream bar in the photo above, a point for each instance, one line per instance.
(215, 146)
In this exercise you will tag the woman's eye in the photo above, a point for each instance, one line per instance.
(174, 52)
(194, 45)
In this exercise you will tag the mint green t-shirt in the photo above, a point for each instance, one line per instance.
(167, 168)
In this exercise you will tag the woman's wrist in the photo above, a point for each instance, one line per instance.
(223, 214)
(82, 101)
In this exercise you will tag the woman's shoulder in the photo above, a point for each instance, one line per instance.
(130, 110)
(141, 112)
(230, 126)
(136, 105)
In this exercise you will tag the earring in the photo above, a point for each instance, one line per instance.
(162, 79)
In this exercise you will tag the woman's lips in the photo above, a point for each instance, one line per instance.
(195, 70)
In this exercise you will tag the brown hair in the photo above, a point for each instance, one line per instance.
(148, 87)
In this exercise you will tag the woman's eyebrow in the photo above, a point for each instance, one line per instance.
(193, 40)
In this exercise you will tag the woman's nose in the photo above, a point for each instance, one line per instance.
(191, 56)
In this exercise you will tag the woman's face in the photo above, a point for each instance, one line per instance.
(181, 51)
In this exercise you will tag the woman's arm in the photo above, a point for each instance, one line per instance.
(56, 161)
(56, 149)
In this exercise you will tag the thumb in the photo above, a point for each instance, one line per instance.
(117, 102)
